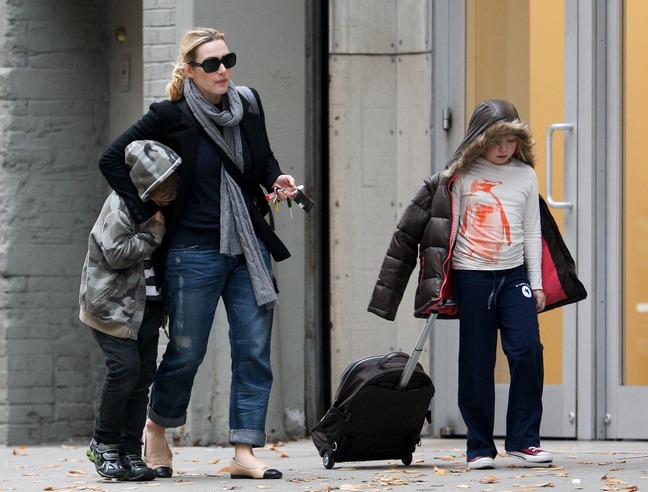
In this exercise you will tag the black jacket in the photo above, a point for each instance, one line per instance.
(172, 124)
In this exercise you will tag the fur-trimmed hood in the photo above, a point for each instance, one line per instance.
(492, 120)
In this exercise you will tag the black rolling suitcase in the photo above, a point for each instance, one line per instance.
(379, 409)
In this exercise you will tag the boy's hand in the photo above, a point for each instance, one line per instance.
(159, 216)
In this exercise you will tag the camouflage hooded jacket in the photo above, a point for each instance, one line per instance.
(112, 296)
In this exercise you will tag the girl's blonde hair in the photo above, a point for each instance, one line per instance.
(188, 47)
(495, 134)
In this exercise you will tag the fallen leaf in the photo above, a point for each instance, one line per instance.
(21, 451)
(440, 471)
(212, 462)
(489, 479)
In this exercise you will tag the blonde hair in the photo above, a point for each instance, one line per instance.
(191, 40)
(168, 189)
(493, 135)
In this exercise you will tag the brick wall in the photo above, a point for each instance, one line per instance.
(160, 47)
(53, 119)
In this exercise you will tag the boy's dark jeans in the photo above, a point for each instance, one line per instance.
(130, 372)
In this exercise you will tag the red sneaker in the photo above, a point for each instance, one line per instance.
(532, 455)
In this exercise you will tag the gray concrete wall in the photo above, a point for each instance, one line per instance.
(380, 144)
(61, 104)
(269, 39)
(53, 95)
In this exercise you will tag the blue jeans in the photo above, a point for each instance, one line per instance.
(196, 278)
(130, 371)
(488, 300)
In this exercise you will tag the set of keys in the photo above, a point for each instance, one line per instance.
(274, 199)
(301, 199)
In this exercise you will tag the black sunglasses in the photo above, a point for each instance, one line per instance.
(210, 65)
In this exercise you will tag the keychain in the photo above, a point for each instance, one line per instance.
(301, 199)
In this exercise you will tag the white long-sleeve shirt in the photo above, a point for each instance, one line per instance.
(498, 214)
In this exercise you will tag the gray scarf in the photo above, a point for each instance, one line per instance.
(236, 231)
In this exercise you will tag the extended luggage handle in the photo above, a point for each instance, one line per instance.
(416, 353)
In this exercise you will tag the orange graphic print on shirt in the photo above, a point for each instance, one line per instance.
(484, 223)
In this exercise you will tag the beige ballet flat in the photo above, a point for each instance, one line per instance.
(238, 470)
(162, 465)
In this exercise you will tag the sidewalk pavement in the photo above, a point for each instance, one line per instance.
(438, 465)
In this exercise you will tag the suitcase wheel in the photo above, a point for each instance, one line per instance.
(407, 459)
(328, 460)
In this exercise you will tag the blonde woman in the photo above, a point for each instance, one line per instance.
(218, 243)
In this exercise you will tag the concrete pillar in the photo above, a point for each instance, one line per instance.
(380, 148)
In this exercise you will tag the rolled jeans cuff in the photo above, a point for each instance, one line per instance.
(256, 439)
(166, 422)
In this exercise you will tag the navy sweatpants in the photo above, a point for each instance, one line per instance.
(488, 300)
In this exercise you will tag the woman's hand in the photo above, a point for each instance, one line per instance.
(285, 187)
(540, 299)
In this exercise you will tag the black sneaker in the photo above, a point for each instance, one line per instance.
(135, 468)
(106, 460)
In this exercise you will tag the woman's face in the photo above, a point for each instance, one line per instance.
(501, 152)
(211, 85)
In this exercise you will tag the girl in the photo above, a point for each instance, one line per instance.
(477, 229)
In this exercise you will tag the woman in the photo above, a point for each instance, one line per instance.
(218, 244)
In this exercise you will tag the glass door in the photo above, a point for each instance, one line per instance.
(580, 65)
(627, 320)
(518, 50)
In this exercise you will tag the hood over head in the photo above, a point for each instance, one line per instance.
(491, 121)
(151, 163)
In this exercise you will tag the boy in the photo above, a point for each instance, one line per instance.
(119, 300)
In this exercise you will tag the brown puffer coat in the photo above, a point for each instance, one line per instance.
(427, 221)
(425, 231)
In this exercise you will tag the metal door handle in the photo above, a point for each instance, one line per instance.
(552, 128)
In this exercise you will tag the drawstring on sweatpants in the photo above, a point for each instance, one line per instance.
(492, 298)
